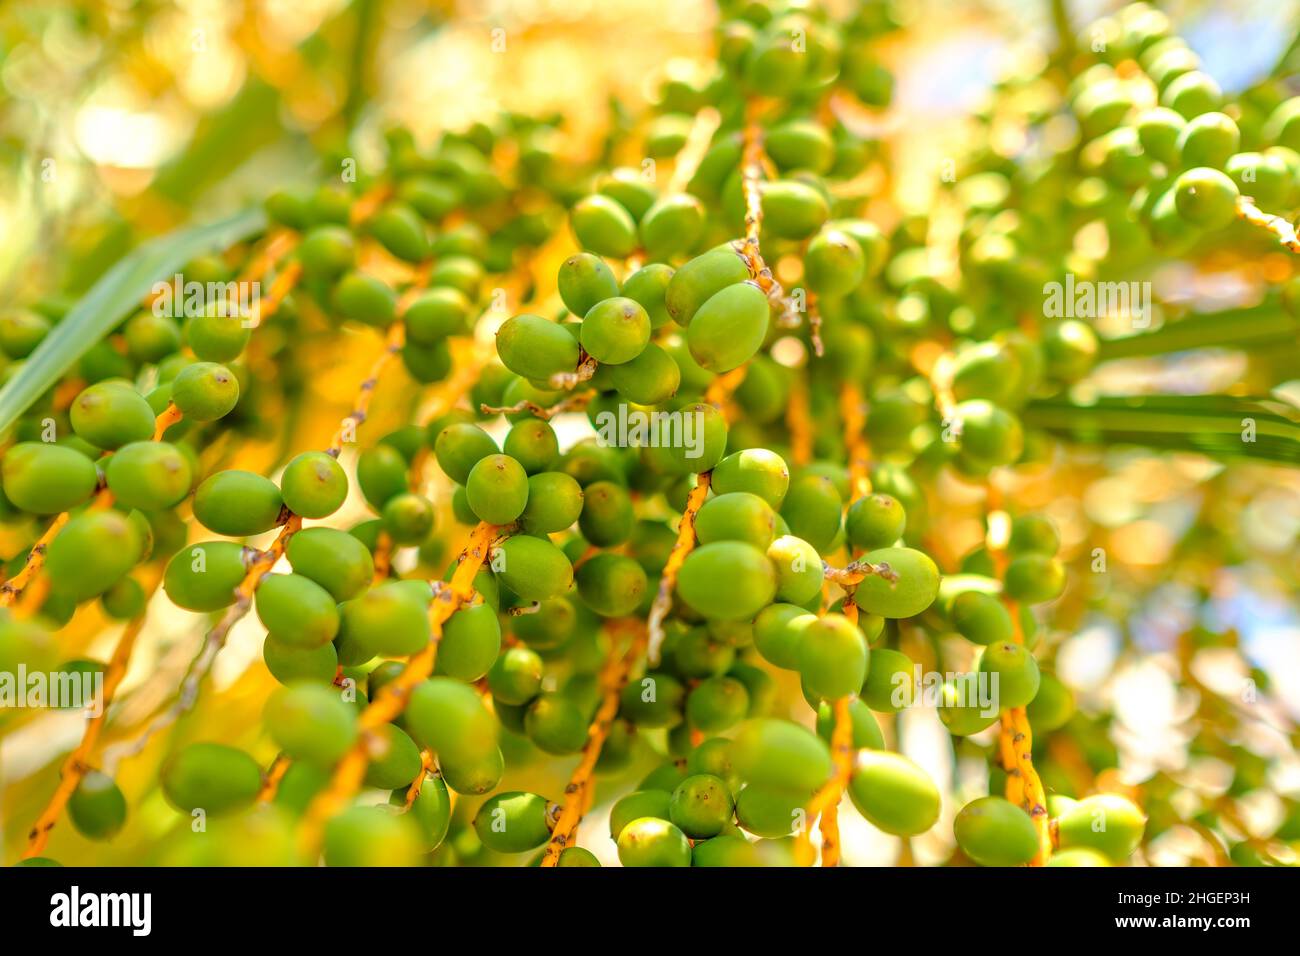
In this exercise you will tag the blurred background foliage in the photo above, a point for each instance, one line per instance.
(121, 120)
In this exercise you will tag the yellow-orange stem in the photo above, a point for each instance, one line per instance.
(392, 700)
(613, 677)
(685, 543)
(76, 763)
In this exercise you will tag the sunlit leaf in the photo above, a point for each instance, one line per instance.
(112, 299)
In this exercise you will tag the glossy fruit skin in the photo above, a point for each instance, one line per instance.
(981, 618)
(649, 287)
(637, 805)
(334, 559)
(756, 470)
(1208, 140)
(92, 552)
(408, 519)
(20, 332)
(615, 330)
(513, 822)
(834, 264)
(1191, 94)
(556, 724)
(381, 474)
(584, 280)
(401, 231)
(893, 793)
(216, 336)
(812, 510)
(289, 663)
(447, 716)
(497, 489)
(770, 812)
(993, 831)
(612, 585)
(700, 279)
(700, 806)
(124, 600)
(833, 657)
(736, 516)
(531, 346)
(866, 731)
(577, 856)
(1078, 856)
(532, 568)
(533, 444)
(1017, 671)
(1105, 822)
(471, 640)
(694, 445)
(111, 414)
(607, 516)
(515, 677)
(473, 776)
(777, 630)
(727, 580)
(717, 704)
(876, 521)
(779, 754)
(1206, 197)
(603, 226)
(629, 188)
(238, 503)
(394, 762)
(436, 314)
(327, 251)
(962, 715)
(314, 485)
(654, 700)
(364, 298)
(205, 391)
(372, 836)
(725, 850)
(296, 610)
(990, 435)
(653, 842)
(311, 722)
(555, 502)
(211, 776)
(792, 209)
(672, 226)
(431, 810)
(915, 590)
(891, 683)
(97, 808)
(1035, 578)
(651, 378)
(461, 446)
(46, 479)
(798, 567)
(203, 576)
(387, 620)
(149, 475)
(729, 327)
(1052, 707)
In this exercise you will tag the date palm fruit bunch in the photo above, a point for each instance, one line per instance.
(708, 471)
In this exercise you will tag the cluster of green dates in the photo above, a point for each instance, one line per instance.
(1161, 136)
(660, 299)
